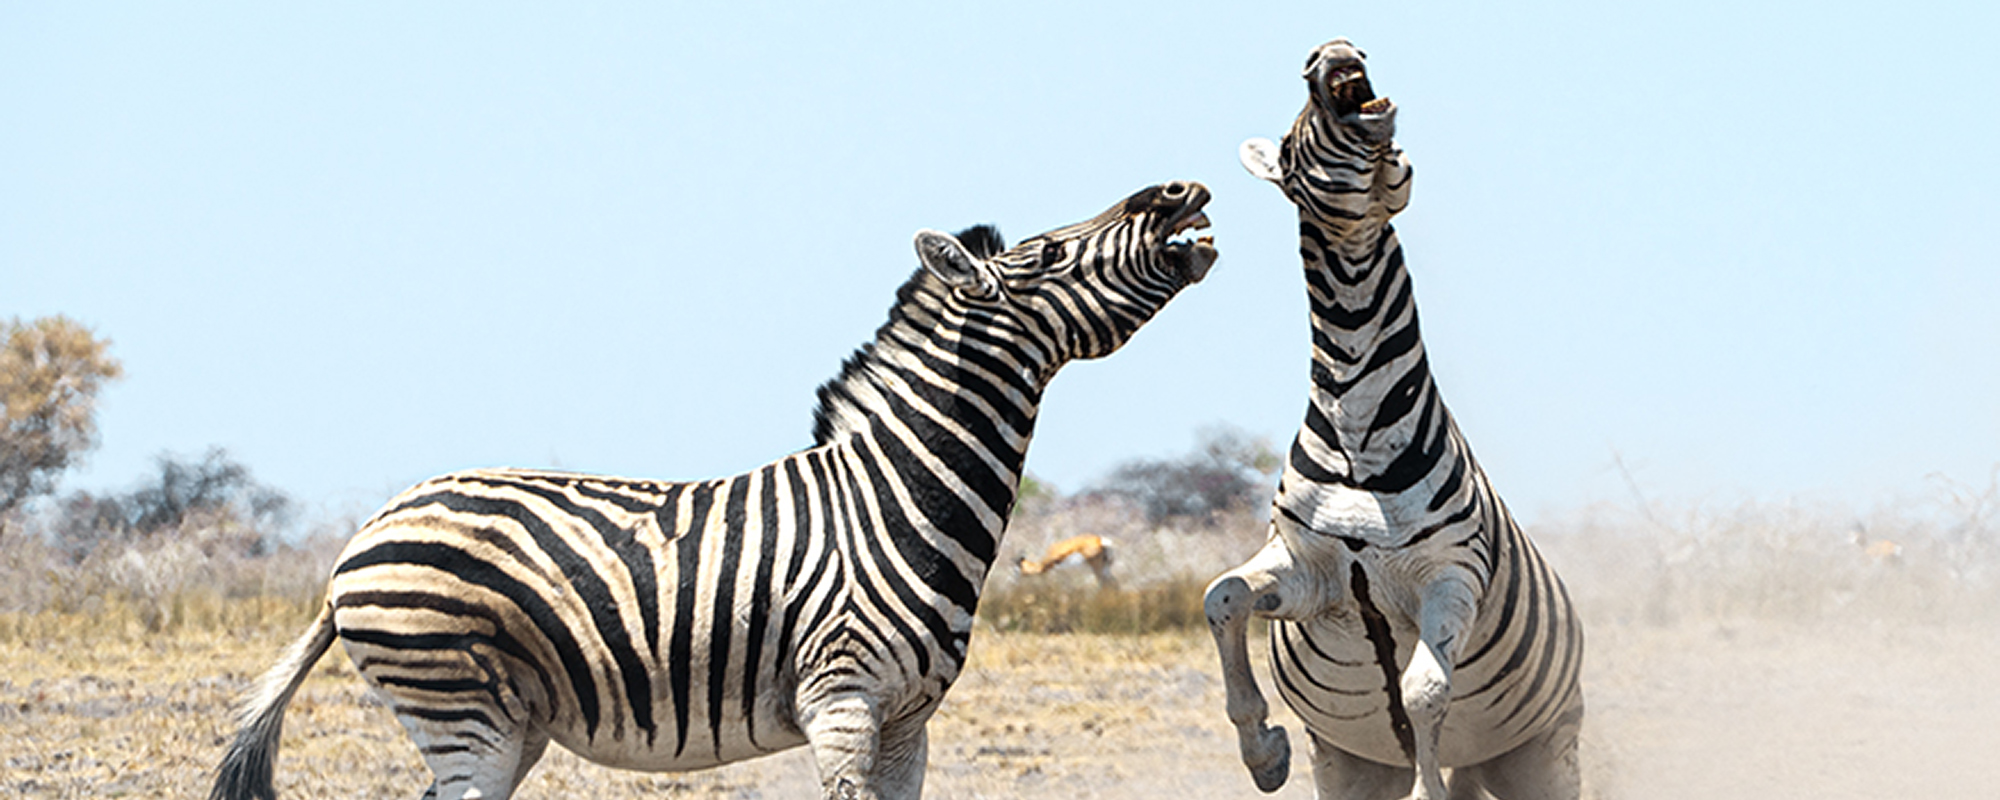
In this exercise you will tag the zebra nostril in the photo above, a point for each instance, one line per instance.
(1175, 189)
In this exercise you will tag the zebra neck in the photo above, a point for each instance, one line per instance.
(940, 430)
(1375, 420)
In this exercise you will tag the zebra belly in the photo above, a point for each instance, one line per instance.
(504, 696)
(691, 724)
(664, 755)
(1328, 672)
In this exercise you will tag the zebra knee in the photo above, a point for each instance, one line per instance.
(1224, 602)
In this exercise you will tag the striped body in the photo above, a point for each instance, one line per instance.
(1516, 676)
(609, 587)
(825, 598)
(1414, 626)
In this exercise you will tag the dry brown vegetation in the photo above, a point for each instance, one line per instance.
(1749, 651)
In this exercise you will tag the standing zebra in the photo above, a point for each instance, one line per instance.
(822, 599)
(1414, 627)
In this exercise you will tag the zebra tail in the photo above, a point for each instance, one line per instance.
(245, 773)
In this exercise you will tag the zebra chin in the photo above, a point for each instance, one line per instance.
(1190, 260)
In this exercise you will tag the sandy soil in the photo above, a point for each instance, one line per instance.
(1878, 711)
(1694, 710)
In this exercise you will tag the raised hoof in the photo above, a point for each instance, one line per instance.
(1274, 772)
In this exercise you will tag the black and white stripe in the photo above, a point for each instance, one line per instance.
(1414, 626)
(825, 598)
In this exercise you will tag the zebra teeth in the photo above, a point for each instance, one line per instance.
(1375, 106)
(1348, 91)
(1196, 222)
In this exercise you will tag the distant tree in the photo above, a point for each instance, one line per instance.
(50, 372)
(1228, 468)
(1034, 495)
(214, 499)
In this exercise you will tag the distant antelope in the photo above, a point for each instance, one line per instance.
(1878, 551)
(1093, 549)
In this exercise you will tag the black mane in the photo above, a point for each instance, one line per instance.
(983, 241)
(834, 393)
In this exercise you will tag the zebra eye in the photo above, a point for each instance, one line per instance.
(1051, 253)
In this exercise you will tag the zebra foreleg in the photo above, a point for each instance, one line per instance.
(1426, 687)
(1448, 608)
(1266, 585)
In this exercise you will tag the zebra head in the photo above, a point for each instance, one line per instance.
(1082, 290)
(1339, 163)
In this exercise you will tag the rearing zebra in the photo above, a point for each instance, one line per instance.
(1414, 626)
(823, 599)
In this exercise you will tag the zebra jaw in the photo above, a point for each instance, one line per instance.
(1352, 95)
(1192, 257)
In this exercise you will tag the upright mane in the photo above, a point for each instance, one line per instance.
(983, 241)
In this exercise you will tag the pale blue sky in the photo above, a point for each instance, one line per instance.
(1747, 248)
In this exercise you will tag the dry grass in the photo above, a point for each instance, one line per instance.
(1747, 651)
(148, 716)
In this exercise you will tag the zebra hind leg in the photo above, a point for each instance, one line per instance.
(470, 760)
(845, 734)
(900, 761)
(862, 758)
(473, 732)
(1542, 767)
(1340, 775)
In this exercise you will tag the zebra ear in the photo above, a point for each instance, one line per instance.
(1260, 157)
(948, 259)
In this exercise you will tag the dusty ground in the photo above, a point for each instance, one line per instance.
(1692, 710)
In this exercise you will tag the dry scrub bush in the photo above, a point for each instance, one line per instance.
(1784, 562)
(169, 581)
(1788, 562)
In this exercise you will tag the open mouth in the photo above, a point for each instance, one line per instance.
(1192, 256)
(1352, 97)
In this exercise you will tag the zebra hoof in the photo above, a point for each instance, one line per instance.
(1274, 772)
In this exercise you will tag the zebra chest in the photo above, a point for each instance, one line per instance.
(1354, 516)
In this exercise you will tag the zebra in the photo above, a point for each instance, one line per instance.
(823, 599)
(1413, 625)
